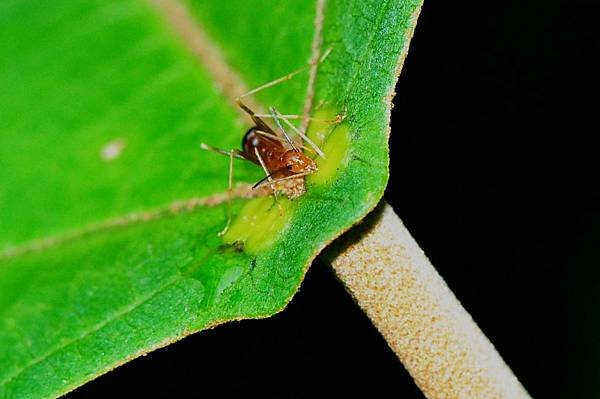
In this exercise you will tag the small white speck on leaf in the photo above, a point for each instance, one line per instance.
(113, 149)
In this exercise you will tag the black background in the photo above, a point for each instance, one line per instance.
(494, 172)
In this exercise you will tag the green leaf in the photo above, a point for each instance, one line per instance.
(109, 212)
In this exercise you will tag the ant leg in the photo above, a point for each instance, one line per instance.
(258, 122)
(262, 163)
(275, 137)
(300, 133)
(233, 153)
(274, 113)
(269, 178)
(272, 83)
(287, 178)
(229, 194)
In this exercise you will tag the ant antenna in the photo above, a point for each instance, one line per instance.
(266, 170)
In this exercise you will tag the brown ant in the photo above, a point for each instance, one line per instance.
(274, 150)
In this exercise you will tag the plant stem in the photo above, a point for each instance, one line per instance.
(436, 339)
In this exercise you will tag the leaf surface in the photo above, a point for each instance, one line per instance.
(109, 213)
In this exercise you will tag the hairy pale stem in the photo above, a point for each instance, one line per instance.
(436, 339)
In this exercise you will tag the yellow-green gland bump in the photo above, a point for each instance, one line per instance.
(334, 139)
(260, 222)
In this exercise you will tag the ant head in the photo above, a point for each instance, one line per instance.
(250, 138)
(297, 162)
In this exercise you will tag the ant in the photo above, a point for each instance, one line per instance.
(273, 149)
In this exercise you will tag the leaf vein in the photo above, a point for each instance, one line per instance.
(241, 191)
(124, 311)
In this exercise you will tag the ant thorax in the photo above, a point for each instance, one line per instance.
(285, 164)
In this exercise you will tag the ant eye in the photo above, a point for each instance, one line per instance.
(250, 136)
